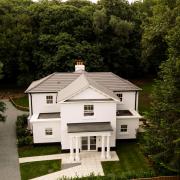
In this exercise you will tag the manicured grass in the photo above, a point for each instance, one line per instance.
(35, 169)
(39, 150)
(132, 161)
(22, 101)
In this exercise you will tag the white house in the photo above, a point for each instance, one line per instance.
(85, 111)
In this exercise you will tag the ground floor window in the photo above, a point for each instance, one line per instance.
(123, 128)
(48, 131)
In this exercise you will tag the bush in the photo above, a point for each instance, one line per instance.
(23, 141)
(24, 136)
(22, 121)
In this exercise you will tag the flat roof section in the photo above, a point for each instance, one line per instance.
(89, 127)
(49, 115)
(123, 113)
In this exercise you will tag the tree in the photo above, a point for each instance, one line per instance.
(2, 104)
(161, 140)
(118, 36)
(157, 19)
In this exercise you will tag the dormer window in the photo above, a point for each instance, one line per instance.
(49, 99)
(120, 96)
(88, 110)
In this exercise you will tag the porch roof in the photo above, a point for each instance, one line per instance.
(89, 127)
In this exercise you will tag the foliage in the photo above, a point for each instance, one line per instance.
(2, 110)
(164, 147)
(24, 136)
(47, 36)
(39, 150)
(2, 104)
(158, 21)
(35, 169)
(116, 30)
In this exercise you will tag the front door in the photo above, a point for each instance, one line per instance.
(88, 143)
(84, 143)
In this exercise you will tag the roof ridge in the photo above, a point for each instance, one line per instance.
(45, 78)
(101, 86)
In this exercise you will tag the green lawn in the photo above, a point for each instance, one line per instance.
(132, 162)
(39, 150)
(145, 94)
(22, 101)
(34, 169)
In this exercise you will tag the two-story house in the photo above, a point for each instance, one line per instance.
(85, 111)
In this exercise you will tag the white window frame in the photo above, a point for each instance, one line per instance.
(120, 96)
(48, 131)
(124, 129)
(88, 110)
(49, 99)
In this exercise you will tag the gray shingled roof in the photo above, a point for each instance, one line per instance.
(89, 127)
(81, 83)
(58, 81)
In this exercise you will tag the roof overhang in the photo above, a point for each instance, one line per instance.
(89, 127)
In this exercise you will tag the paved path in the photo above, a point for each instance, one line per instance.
(9, 166)
(90, 163)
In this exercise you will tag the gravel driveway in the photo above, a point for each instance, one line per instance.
(9, 165)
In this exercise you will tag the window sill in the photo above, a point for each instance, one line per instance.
(124, 133)
(89, 118)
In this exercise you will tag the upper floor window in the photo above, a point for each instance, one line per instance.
(49, 99)
(123, 128)
(88, 110)
(120, 95)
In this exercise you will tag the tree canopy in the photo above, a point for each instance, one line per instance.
(38, 38)
(161, 140)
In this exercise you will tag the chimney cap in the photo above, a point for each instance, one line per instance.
(79, 62)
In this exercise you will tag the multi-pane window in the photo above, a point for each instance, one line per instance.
(49, 99)
(88, 110)
(48, 131)
(123, 128)
(120, 96)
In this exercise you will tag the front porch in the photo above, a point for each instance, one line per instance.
(85, 137)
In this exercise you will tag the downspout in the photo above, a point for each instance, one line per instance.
(136, 100)
(31, 104)
(56, 97)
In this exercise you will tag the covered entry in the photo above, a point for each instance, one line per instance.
(88, 143)
(84, 137)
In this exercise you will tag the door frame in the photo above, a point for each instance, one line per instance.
(89, 143)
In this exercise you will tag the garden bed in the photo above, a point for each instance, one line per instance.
(20, 103)
(39, 150)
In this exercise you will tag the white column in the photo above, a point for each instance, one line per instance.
(102, 148)
(108, 148)
(71, 149)
(77, 148)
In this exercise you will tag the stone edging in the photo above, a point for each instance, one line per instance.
(22, 108)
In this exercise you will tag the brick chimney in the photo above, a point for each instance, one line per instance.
(79, 66)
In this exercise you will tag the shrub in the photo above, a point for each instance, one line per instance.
(24, 136)
(23, 141)
(22, 121)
